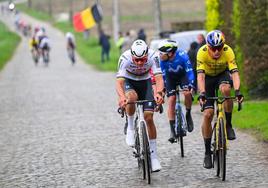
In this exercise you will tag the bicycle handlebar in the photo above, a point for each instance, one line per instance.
(122, 112)
(221, 100)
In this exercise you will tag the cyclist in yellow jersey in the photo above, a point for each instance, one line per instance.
(33, 43)
(216, 70)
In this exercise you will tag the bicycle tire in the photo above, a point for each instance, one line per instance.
(181, 145)
(180, 130)
(216, 163)
(137, 147)
(222, 151)
(146, 153)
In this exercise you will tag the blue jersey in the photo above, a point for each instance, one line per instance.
(178, 67)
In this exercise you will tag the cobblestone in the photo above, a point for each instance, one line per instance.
(59, 128)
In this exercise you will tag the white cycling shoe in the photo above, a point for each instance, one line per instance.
(155, 164)
(130, 138)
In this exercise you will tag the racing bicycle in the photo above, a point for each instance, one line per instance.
(141, 148)
(180, 121)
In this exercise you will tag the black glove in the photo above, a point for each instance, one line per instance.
(239, 96)
(202, 96)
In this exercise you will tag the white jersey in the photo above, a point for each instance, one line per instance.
(45, 42)
(128, 69)
(70, 36)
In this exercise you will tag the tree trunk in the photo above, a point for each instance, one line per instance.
(157, 17)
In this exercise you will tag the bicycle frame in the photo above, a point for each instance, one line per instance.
(220, 115)
(220, 145)
(178, 109)
(140, 115)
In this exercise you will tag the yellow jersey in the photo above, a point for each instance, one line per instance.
(213, 67)
(33, 43)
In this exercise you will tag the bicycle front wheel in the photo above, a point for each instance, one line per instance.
(181, 144)
(215, 145)
(146, 153)
(180, 129)
(222, 149)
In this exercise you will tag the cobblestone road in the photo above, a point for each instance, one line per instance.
(59, 128)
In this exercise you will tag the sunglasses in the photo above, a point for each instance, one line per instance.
(163, 53)
(219, 48)
(143, 59)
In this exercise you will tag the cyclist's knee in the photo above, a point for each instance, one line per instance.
(148, 116)
(172, 100)
(208, 114)
(225, 89)
(131, 96)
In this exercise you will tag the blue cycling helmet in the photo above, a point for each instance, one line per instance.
(215, 38)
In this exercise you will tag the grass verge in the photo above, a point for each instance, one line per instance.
(253, 117)
(8, 44)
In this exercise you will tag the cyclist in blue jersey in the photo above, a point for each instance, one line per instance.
(177, 71)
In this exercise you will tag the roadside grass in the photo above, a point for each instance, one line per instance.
(37, 14)
(253, 116)
(89, 49)
(8, 44)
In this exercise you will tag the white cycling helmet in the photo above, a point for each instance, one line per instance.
(139, 49)
(167, 46)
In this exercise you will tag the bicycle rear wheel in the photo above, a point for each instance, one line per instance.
(146, 153)
(222, 151)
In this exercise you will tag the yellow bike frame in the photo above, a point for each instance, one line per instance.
(221, 114)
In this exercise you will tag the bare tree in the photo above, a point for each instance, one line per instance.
(157, 17)
(29, 3)
(71, 10)
(50, 8)
(116, 19)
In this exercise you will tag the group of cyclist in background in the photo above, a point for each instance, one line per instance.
(40, 45)
(216, 69)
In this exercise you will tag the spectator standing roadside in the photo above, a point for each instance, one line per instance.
(120, 42)
(127, 42)
(192, 56)
(105, 46)
(201, 40)
(142, 35)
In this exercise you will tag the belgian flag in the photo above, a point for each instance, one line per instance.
(87, 18)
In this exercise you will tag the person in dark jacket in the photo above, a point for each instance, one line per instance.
(142, 35)
(105, 46)
(192, 56)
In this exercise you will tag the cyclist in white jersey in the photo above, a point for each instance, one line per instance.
(134, 83)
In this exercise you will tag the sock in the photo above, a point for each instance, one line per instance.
(228, 116)
(130, 120)
(207, 142)
(172, 122)
(153, 148)
(188, 110)
(172, 126)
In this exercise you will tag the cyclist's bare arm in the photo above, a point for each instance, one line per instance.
(236, 80)
(201, 82)
(159, 83)
(120, 91)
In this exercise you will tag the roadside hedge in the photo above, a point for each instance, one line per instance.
(245, 24)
